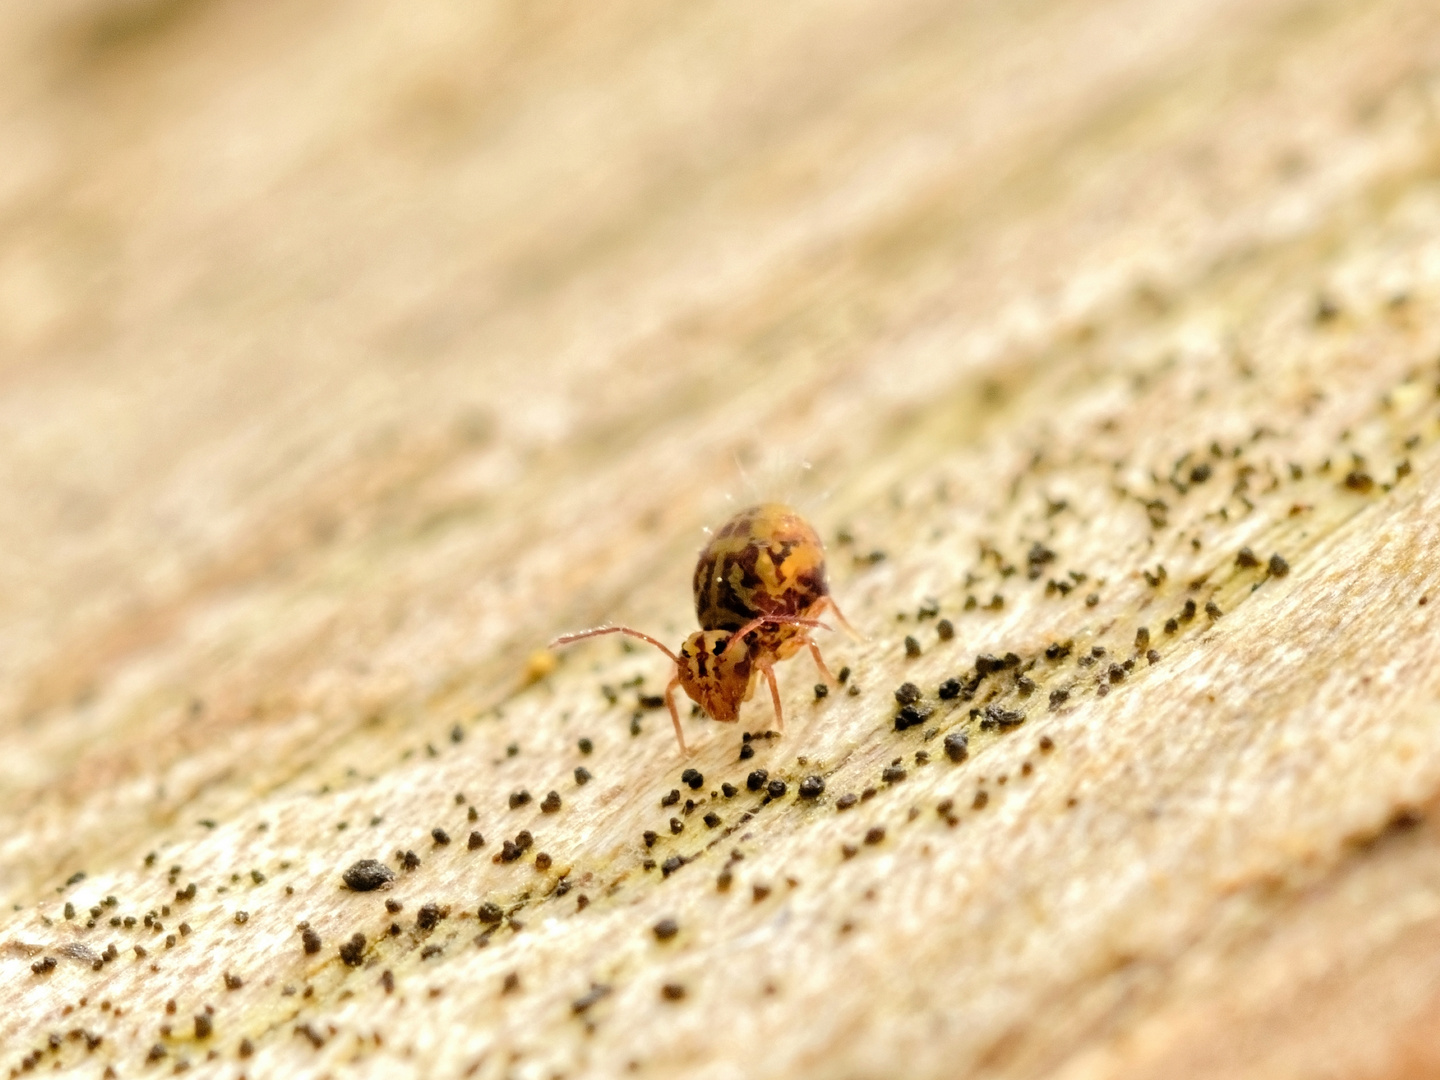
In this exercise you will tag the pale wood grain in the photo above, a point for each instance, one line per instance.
(349, 353)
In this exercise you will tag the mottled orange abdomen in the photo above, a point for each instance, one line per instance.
(766, 560)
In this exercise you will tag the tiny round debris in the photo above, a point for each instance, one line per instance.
(775, 789)
(957, 746)
(756, 780)
(666, 929)
(812, 787)
(551, 803)
(353, 951)
(368, 875)
(912, 647)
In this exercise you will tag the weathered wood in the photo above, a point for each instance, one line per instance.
(350, 354)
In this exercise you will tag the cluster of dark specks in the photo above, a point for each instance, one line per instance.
(511, 850)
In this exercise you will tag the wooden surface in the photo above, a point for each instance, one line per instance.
(348, 353)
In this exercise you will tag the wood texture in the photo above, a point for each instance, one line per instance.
(349, 353)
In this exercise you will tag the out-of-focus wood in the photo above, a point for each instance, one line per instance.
(350, 352)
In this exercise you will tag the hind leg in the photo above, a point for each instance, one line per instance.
(829, 602)
(820, 663)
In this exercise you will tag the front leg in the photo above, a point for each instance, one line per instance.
(675, 713)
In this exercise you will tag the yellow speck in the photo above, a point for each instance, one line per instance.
(538, 664)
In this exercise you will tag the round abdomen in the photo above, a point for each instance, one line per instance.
(766, 560)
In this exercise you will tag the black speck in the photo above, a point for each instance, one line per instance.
(1246, 559)
(519, 799)
(996, 717)
(912, 647)
(907, 693)
(368, 875)
(949, 689)
(430, 916)
(775, 789)
(676, 826)
(957, 746)
(1358, 481)
(1171, 626)
(1116, 673)
(670, 865)
(586, 746)
(596, 993)
(666, 929)
(945, 629)
(875, 834)
(582, 775)
(893, 774)
(728, 790)
(912, 716)
(1212, 609)
(845, 802)
(1278, 566)
(1153, 656)
(712, 819)
(812, 787)
(746, 752)
(310, 939)
(550, 803)
(440, 836)
(475, 841)
(672, 992)
(985, 664)
(672, 798)
(694, 778)
(489, 913)
(204, 1027)
(756, 780)
(843, 675)
(233, 981)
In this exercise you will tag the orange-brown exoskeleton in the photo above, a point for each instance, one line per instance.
(766, 561)
(716, 668)
(759, 587)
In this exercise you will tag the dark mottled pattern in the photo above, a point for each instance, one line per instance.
(717, 683)
(766, 560)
